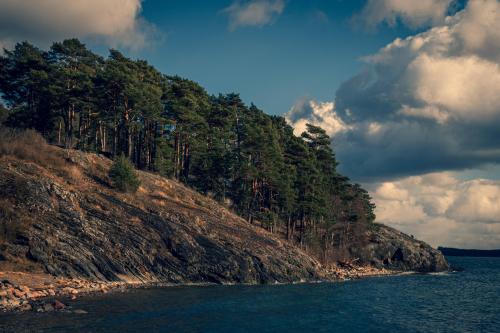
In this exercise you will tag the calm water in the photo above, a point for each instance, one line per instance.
(467, 301)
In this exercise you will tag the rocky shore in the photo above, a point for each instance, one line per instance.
(347, 271)
(41, 292)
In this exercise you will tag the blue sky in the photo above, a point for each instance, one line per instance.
(417, 121)
(305, 52)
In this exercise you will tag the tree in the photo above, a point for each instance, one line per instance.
(187, 104)
(123, 176)
(73, 67)
(24, 75)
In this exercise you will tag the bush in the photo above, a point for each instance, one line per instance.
(123, 176)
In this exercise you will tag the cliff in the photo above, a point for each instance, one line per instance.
(392, 249)
(59, 216)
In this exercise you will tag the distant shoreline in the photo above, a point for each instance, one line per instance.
(454, 252)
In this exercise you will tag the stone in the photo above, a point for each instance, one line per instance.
(47, 307)
(18, 293)
(58, 305)
(24, 289)
(25, 307)
(13, 302)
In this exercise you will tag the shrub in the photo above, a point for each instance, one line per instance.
(123, 176)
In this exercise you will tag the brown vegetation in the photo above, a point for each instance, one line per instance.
(29, 145)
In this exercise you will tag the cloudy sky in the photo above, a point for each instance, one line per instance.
(408, 90)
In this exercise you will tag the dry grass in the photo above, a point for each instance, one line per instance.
(12, 222)
(29, 145)
(74, 174)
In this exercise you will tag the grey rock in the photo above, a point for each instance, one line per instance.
(390, 248)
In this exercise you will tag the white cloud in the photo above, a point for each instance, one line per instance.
(442, 209)
(466, 87)
(316, 113)
(413, 13)
(116, 22)
(479, 29)
(477, 201)
(253, 13)
(428, 102)
(430, 112)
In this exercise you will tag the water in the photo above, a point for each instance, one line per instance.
(467, 301)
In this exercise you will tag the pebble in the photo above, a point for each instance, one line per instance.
(18, 293)
(26, 307)
(58, 305)
(47, 307)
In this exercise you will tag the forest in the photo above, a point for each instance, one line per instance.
(247, 160)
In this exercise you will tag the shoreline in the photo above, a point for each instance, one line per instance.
(40, 292)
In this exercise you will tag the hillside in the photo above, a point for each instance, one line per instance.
(64, 219)
(60, 216)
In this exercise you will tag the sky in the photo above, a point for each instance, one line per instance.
(408, 90)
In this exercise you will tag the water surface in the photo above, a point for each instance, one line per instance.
(467, 301)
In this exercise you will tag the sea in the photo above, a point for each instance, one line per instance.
(467, 300)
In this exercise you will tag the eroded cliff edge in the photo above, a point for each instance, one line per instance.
(65, 220)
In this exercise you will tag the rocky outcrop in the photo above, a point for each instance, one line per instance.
(389, 248)
(70, 223)
(66, 221)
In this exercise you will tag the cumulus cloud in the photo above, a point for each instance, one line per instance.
(442, 209)
(411, 13)
(116, 22)
(426, 103)
(316, 113)
(253, 13)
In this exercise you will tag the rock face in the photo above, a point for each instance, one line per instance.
(67, 221)
(74, 225)
(390, 248)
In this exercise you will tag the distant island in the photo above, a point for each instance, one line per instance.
(449, 251)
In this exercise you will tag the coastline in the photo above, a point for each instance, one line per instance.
(41, 292)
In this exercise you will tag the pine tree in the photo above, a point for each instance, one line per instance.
(123, 176)
(24, 75)
(73, 67)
